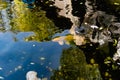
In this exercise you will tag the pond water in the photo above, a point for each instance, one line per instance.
(18, 56)
(29, 41)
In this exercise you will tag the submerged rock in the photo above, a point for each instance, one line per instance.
(32, 75)
(79, 40)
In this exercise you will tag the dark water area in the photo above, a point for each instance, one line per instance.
(34, 37)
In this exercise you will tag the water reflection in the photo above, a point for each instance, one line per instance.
(27, 20)
(74, 67)
(26, 45)
(3, 4)
(17, 58)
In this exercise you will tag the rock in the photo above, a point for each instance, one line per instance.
(79, 40)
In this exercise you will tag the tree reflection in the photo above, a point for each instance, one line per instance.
(74, 67)
(3, 4)
(34, 20)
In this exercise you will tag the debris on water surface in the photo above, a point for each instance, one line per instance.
(18, 68)
(34, 45)
(42, 58)
(32, 63)
(1, 68)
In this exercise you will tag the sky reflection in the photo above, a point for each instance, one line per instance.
(19, 57)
